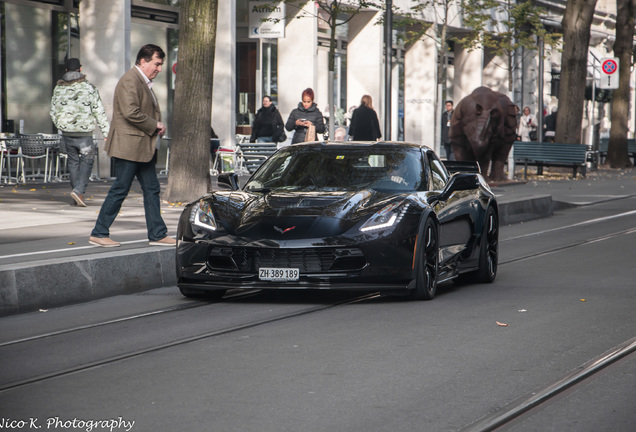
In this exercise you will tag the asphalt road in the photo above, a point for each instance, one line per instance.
(321, 361)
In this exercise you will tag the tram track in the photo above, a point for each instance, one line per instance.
(158, 347)
(532, 400)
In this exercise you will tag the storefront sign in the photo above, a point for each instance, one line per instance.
(267, 19)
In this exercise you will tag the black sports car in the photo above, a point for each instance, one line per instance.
(373, 216)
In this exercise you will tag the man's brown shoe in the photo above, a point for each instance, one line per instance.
(79, 199)
(103, 242)
(166, 241)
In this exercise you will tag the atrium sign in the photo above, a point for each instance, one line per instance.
(266, 19)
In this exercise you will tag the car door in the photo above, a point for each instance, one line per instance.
(455, 215)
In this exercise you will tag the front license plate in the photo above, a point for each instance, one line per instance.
(278, 274)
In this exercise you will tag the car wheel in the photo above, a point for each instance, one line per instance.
(202, 294)
(428, 269)
(489, 249)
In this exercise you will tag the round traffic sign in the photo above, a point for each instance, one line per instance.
(609, 66)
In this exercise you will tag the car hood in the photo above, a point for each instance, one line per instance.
(296, 215)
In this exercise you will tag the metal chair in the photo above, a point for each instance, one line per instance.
(9, 150)
(32, 147)
(57, 153)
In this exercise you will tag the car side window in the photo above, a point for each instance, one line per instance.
(439, 176)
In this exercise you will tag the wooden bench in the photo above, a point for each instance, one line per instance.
(543, 154)
(254, 154)
(603, 145)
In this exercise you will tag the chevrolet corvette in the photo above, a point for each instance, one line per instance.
(369, 216)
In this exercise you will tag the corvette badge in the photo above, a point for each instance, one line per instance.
(283, 231)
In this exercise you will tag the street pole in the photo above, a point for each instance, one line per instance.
(388, 47)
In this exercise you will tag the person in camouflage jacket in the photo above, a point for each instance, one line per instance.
(75, 107)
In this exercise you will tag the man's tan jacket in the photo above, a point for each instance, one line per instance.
(133, 129)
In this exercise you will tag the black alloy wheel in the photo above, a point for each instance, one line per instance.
(489, 249)
(428, 269)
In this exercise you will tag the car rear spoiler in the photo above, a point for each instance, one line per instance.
(462, 166)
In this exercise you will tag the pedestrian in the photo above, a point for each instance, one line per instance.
(446, 119)
(527, 126)
(364, 122)
(268, 123)
(307, 114)
(132, 145)
(75, 108)
(550, 125)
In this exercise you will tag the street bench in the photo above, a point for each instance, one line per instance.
(603, 145)
(254, 154)
(542, 154)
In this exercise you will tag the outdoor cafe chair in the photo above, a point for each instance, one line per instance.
(10, 150)
(32, 148)
(57, 155)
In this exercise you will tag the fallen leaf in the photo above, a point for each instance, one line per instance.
(502, 324)
(72, 243)
(32, 190)
(583, 300)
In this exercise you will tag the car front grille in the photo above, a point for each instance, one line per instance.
(318, 260)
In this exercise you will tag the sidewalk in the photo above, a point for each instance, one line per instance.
(46, 260)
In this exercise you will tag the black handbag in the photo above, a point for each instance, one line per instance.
(279, 134)
(533, 135)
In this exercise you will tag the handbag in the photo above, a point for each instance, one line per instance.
(311, 133)
(533, 135)
(279, 134)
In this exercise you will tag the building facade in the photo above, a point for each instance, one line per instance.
(38, 35)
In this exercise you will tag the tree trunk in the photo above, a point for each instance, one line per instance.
(617, 155)
(189, 176)
(577, 21)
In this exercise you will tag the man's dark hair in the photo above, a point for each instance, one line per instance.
(450, 102)
(147, 51)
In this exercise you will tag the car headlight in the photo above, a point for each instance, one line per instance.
(202, 218)
(388, 217)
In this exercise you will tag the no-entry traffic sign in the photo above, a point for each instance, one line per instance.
(609, 73)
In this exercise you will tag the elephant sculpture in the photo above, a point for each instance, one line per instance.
(483, 128)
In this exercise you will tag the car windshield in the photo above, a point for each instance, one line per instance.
(333, 168)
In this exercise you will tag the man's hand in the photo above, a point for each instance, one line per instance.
(161, 128)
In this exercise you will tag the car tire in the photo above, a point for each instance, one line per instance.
(428, 268)
(202, 294)
(488, 252)
(489, 249)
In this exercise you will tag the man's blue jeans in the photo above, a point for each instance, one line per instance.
(125, 172)
(81, 155)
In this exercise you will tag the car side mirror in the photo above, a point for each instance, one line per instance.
(459, 182)
(228, 181)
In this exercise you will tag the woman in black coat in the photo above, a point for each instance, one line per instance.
(300, 118)
(364, 122)
(268, 123)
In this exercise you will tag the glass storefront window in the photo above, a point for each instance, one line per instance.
(246, 84)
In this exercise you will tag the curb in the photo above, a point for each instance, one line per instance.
(525, 209)
(60, 282)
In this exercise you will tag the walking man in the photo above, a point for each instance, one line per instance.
(75, 107)
(132, 145)
(446, 118)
